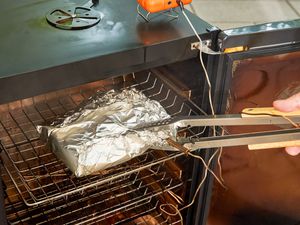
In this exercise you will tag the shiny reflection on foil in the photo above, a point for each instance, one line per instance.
(101, 133)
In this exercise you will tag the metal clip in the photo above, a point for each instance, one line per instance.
(205, 47)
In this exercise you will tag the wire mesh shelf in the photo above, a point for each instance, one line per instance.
(40, 177)
(116, 203)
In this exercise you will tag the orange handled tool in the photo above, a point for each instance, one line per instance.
(154, 6)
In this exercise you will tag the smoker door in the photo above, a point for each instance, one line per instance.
(264, 65)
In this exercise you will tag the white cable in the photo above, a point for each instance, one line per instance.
(201, 61)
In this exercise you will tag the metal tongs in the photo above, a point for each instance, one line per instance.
(248, 117)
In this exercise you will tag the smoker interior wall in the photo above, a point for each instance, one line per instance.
(263, 186)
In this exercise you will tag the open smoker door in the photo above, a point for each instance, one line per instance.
(263, 186)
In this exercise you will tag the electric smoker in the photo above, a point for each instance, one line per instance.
(47, 72)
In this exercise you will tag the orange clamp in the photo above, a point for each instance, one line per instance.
(154, 6)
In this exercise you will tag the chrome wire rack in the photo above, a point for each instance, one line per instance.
(37, 174)
(116, 203)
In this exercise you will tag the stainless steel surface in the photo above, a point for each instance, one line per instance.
(38, 175)
(101, 133)
(181, 124)
(221, 120)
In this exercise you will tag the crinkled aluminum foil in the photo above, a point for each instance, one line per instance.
(101, 134)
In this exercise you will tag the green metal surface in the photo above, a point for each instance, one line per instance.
(73, 17)
(28, 43)
(262, 35)
(272, 26)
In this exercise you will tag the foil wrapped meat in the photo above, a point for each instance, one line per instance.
(101, 133)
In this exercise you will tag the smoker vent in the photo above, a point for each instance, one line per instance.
(73, 17)
(38, 180)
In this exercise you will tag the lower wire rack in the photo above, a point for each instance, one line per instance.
(40, 178)
(119, 202)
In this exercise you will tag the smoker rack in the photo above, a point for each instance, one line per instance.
(127, 203)
(35, 171)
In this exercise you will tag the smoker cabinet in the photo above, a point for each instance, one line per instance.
(46, 72)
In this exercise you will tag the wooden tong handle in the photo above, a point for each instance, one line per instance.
(274, 145)
(267, 111)
(270, 111)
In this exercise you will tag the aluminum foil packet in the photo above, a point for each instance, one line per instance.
(101, 133)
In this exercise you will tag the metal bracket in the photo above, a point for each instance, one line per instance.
(205, 47)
